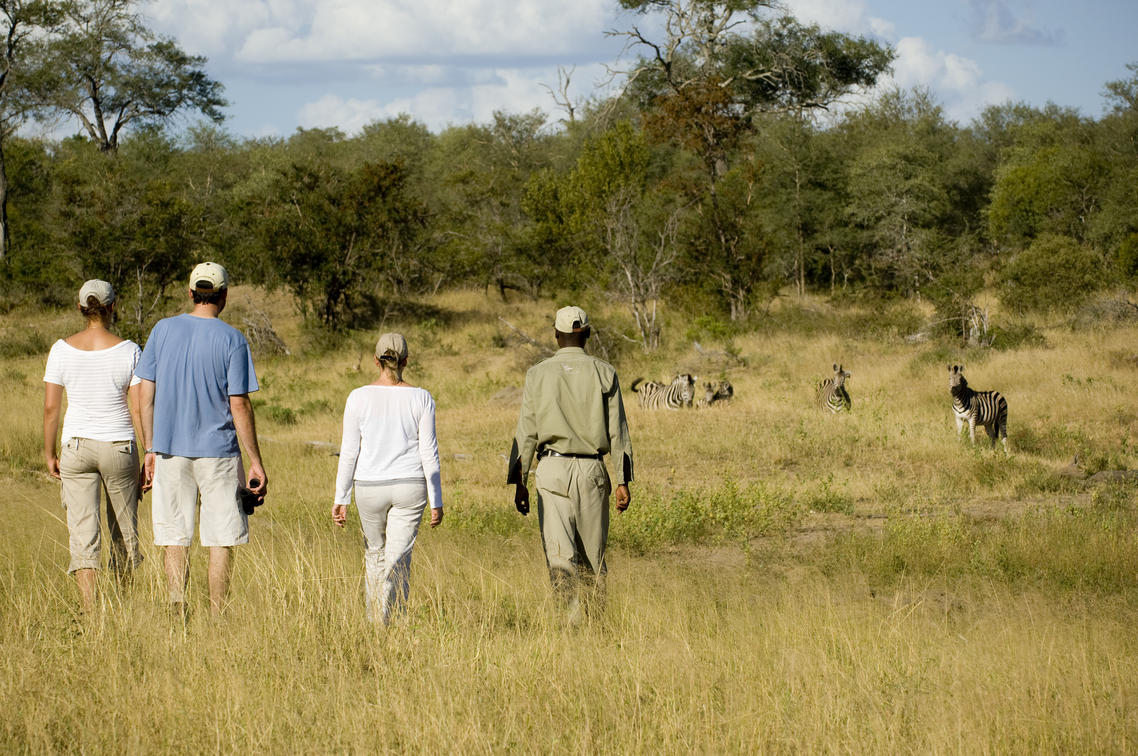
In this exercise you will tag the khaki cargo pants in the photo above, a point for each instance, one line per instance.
(573, 513)
(88, 468)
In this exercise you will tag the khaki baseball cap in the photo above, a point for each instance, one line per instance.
(209, 276)
(571, 319)
(100, 290)
(392, 345)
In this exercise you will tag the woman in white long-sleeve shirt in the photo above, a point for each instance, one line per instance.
(389, 453)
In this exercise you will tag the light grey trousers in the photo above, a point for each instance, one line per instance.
(573, 512)
(390, 514)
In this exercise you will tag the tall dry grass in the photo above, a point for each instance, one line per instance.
(785, 580)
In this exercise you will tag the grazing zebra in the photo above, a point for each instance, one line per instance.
(715, 392)
(832, 394)
(987, 408)
(676, 395)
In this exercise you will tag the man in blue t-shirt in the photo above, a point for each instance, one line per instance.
(197, 374)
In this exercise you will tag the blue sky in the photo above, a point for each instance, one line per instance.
(344, 63)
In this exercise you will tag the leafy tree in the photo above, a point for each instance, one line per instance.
(1115, 227)
(1049, 181)
(630, 231)
(900, 192)
(125, 218)
(480, 174)
(20, 22)
(108, 70)
(336, 238)
(718, 65)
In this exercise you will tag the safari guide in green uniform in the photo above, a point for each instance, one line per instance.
(572, 415)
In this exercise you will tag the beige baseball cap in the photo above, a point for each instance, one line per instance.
(571, 319)
(391, 344)
(100, 290)
(209, 276)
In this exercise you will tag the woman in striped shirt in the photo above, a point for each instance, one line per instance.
(96, 369)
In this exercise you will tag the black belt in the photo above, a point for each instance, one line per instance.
(550, 453)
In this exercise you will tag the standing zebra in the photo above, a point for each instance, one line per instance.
(987, 408)
(676, 395)
(832, 394)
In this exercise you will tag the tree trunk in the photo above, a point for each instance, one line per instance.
(800, 253)
(5, 237)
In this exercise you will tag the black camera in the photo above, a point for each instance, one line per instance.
(249, 500)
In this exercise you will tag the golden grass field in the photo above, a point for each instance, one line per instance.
(785, 581)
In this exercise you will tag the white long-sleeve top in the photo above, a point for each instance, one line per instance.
(389, 436)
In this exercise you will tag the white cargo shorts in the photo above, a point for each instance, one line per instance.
(178, 483)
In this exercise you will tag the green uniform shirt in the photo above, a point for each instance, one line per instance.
(572, 405)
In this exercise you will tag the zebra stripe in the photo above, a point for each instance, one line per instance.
(987, 408)
(832, 394)
(676, 395)
(715, 392)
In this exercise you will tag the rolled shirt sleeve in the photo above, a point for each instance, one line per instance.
(525, 437)
(620, 442)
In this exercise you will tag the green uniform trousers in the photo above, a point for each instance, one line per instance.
(573, 512)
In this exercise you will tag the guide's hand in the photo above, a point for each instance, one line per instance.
(521, 498)
(623, 497)
(436, 516)
(53, 466)
(339, 514)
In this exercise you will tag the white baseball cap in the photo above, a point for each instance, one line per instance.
(391, 344)
(100, 290)
(571, 319)
(208, 276)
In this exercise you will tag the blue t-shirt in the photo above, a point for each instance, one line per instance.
(196, 364)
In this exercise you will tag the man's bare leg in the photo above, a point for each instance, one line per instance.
(177, 576)
(85, 579)
(219, 569)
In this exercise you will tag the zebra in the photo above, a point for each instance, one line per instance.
(678, 394)
(987, 408)
(715, 392)
(832, 394)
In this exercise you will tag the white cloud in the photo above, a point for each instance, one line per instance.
(957, 82)
(880, 27)
(508, 89)
(840, 15)
(272, 31)
(1009, 22)
(347, 114)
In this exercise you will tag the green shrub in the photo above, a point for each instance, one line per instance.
(23, 343)
(1093, 549)
(279, 415)
(726, 513)
(826, 499)
(709, 327)
(1014, 336)
(1126, 258)
(1055, 273)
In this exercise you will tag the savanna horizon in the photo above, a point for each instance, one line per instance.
(785, 580)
